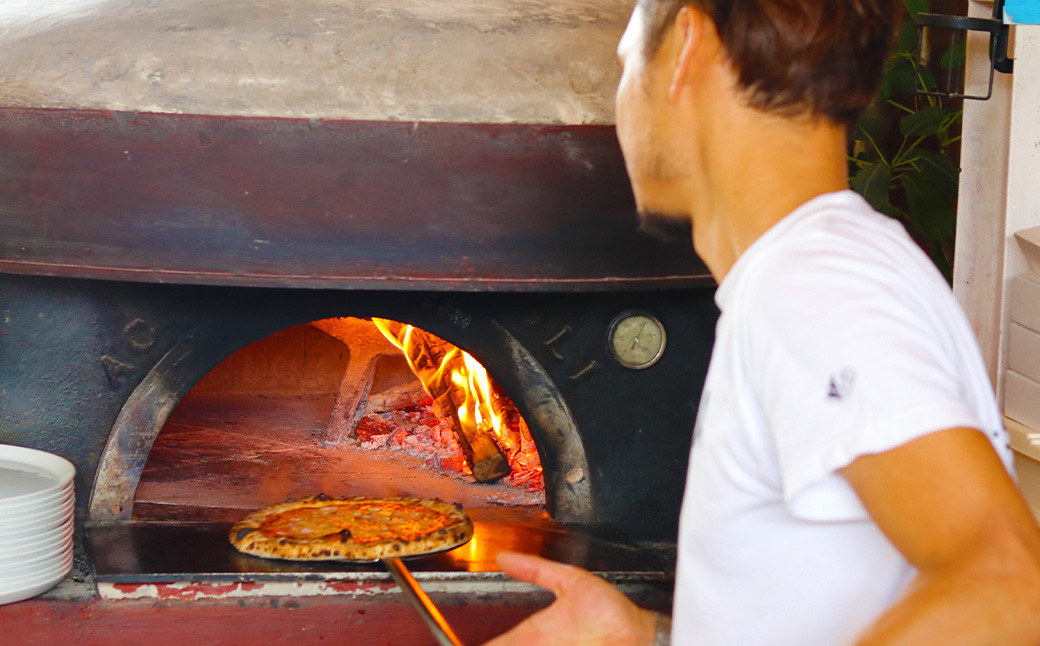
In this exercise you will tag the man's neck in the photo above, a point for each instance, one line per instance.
(755, 172)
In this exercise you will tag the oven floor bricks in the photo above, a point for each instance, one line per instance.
(272, 621)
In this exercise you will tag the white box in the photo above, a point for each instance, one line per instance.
(1024, 351)
(1025, 301)
(1022, 399)
(1029, 243)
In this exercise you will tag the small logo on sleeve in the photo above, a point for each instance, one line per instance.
(841, 385)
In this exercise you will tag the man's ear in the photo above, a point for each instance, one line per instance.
(688, 28)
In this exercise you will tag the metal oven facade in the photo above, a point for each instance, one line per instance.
(140, 249)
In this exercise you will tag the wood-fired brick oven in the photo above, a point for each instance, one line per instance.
(145, 237)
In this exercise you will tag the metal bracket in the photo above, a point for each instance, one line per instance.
(998, 44)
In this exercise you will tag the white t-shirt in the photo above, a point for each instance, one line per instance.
(837, 338)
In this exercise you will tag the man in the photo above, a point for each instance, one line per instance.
(848, 482)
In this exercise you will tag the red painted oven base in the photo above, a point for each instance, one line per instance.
(270, 621)
(274, 621)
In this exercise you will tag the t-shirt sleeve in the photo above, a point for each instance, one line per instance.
(846, 362)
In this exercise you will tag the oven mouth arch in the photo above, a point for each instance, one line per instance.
(569, 496)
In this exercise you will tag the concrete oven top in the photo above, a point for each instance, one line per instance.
(461, 61)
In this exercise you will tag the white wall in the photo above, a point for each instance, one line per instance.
(1000, 195)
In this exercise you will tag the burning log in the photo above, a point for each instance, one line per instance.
(442, 368)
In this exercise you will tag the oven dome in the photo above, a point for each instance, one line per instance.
(472, 61)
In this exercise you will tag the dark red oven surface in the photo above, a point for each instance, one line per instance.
(314, 203)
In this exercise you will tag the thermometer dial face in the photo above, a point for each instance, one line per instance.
(636, 339)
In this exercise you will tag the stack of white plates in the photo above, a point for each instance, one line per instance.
(36, 511)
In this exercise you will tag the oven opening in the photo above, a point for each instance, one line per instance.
(345, 407)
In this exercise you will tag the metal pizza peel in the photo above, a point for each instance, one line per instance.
(436, 622)
(421, 601)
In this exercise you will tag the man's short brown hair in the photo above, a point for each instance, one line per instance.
(825, 57)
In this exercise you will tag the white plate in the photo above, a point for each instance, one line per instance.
(58, 561)
(27, 505)
(35, 508)
(39, 561)
(17, 557)
(28, 473)
(10, 524)
(33, 499)
(31, 588)
(42, 570)
(27, 542)
(44, 547)
(40, 522)
(36, 542)
(27, 590)
(29, 514)
(61, 566)
(29, 567)
(50, 579)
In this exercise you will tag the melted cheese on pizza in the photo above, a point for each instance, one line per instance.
(367, 522)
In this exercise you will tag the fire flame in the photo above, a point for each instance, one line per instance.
(454, 378)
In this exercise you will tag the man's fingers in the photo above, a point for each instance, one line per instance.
(587, 609)
(547, 574)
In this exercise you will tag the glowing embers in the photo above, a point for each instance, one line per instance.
(472, 411)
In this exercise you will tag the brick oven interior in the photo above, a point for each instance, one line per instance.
(307, 411)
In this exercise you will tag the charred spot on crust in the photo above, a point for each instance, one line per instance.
(321, 496)
(324, 553)
(243, 532)
(442, 532)
(344, 535)
(397, 548)
(457, 505)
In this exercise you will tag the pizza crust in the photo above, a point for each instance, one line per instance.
(361, 529)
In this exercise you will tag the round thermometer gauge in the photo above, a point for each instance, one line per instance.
(636, 339)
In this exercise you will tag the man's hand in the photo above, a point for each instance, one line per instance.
(587, 610)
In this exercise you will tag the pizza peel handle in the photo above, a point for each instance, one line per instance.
(431, 615)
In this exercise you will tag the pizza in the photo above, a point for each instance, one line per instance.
(323, 528)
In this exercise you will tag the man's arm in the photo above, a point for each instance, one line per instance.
(947, 504)
(588, 611)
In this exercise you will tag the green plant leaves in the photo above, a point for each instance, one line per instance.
(901, 78)
(902, 154)
(915, 7)
(938, 171)
(930, 212)
(922, 123)
(872, 182)
(907, 39)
